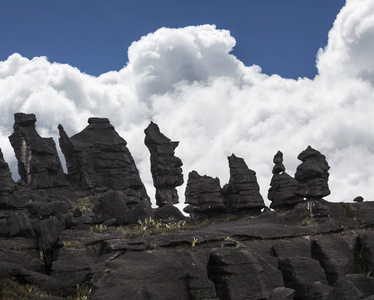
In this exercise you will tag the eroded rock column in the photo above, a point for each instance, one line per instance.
(165, 166)
(38, 163)
(97, 157)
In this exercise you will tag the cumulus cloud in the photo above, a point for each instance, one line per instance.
(187, 81)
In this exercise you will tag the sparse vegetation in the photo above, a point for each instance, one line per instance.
(349, 210)
(73, 244)
(83, 292)
(84, 204)
(308, 221)
(11, 289)
(99, 228)
(193, 241)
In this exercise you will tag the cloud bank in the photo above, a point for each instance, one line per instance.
(187, 82)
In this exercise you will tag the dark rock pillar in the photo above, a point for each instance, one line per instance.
(97, 157)
(283, 187)
(203, 194)
(38, 163)
(312, 174)
(165, 166)
(6, 182)
(242, 192)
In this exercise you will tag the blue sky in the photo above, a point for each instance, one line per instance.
(282, 37)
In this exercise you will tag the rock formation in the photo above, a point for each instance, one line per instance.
(283, 186)
(165, 166)
(120, 208)
(53, 246)
(7, 184)
(97, 157)
(242, 193)
(203, 194)
(312, 174)
(38, 163)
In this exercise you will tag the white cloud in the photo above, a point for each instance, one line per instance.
(187, 81)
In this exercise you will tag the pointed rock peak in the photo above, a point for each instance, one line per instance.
(278, 158)
(309, 152)
(278, 161)
(153, 135)
(24, 120)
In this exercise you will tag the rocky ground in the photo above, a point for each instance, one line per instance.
(318, 250)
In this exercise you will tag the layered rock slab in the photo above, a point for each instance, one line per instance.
(242, 192)
(165, 166)
(97, 157)
(38, 163)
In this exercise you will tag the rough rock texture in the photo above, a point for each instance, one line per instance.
(312, 174)
(120, 206)
(283, 187)
(165, 166)
(97, 157)
(38, 163)
(242, 192)
(7, 184)
(203, 194)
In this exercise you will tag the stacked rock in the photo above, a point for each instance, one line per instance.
(38, 163)
(203, 194)
(283, 187)
(97, 157)
(242, 193)
(312, 175)
(165, 166)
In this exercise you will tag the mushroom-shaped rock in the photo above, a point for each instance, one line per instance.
(97, 157)
(203, 194)
(165, 166)
(283, 186)
(242, 192)
(38, 163)
(312, 174)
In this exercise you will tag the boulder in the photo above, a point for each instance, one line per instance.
(353, 287)
(237, 274)
(312, 174)
(97, 157)
(168, 211)
(242, 193)
(203, 194)
(296, 277)
(38, 163)
(282, 192)
(282, 293)
(19, 225)
(165, 166)
(121, 207)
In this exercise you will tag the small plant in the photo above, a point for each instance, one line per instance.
(73, 244)
(42, 255)
(152, 245)
(83, 292)
(99, 228)
(84, 204)
(193, 241)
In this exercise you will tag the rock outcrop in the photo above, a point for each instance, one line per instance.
(203, 194)
(56, 246)
(7, 184)
(312, 174)
(165, 166)
(283, 187)
(242, 193)
(97, 157)
(38, 163)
